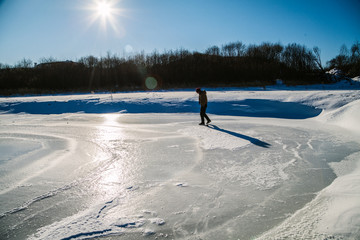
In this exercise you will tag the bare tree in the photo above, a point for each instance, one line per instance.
(89, 61)
(298, 57)
(270, 51)
(239, 49)
(229, 50)
(47, 60)
(355, 50)
(24, 63)
(214, 50)
(344, 51)
(317, 59)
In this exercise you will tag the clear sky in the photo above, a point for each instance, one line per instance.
(70, 29)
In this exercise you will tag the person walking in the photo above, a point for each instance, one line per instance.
(203, 103)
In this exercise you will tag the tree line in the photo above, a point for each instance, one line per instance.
(233, 64)
(348, 60)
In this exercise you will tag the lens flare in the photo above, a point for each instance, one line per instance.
(151, 83)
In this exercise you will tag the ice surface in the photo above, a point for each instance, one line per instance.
(274, 164)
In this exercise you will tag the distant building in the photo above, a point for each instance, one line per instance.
(58, 64)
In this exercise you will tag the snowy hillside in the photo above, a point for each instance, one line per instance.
(275, 164)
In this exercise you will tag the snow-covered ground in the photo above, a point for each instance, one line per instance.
(274, 164)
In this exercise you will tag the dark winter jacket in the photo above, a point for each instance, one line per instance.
(202, 98)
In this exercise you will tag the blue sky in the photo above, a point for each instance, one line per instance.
(70, 29)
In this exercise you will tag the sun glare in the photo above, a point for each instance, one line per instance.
(106, 13)
(103, 9)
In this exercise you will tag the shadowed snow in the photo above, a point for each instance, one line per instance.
(247, 107)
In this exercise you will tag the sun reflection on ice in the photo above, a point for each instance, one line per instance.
(111, 119)
(110, 158)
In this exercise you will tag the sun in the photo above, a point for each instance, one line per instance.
(103, 9)
(106, 13)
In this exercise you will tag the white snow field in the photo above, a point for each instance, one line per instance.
(274, 164)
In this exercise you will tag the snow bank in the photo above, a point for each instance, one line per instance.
(356, 79)
(343, 212)
(335, 212)
(347, 116)
(343, 195)
(335, 71)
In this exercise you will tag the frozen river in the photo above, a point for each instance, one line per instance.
(161, 176)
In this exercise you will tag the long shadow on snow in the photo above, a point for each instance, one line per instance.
(248, 107)
(254, 141)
